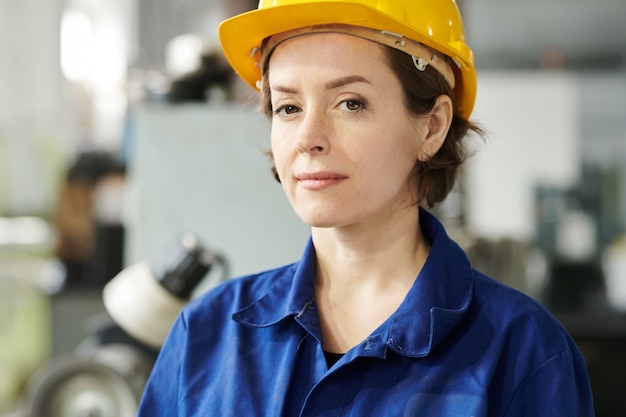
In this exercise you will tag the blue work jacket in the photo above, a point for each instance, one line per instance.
(460, 345)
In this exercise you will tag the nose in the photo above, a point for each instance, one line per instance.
(314, 133)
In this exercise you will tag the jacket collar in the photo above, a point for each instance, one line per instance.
(439, 297)
(437, 301)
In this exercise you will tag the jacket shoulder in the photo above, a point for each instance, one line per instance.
(237, 293)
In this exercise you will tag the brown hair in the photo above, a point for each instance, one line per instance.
(434, 178)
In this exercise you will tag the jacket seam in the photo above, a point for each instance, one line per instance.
(532, 374)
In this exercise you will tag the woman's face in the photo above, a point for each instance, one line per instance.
(343, 143)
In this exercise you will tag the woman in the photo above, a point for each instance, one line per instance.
(383, 315)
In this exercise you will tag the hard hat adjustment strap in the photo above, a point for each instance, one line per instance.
(421, 54)
(419, 62)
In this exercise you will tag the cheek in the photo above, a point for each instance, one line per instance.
(392, 164)
(279, 151)
(398, 148)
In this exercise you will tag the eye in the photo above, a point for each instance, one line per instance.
(286, 110)
(353, 105)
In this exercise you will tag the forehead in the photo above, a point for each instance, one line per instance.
(330, 51)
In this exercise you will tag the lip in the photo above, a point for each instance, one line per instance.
(319, 180)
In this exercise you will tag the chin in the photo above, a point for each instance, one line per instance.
(326, 215)
(319, 224)
(325, 221)
(314, 220)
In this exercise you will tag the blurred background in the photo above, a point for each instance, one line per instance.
(122, 130)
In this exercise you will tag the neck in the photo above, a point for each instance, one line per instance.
(362, 277)
(379, 255)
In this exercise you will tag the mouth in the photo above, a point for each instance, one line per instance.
(319, 180)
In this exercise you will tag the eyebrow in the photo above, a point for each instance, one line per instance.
(345, 81)
(340, 82)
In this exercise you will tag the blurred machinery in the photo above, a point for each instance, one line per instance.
(88, 222)
(106, 374)
(580, 231)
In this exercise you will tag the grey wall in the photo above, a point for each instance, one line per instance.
(203, 169)
(505, 33)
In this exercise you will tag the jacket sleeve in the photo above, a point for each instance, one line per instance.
(161, 394)
(558, 387)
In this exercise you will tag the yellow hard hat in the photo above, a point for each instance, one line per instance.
(434, 23)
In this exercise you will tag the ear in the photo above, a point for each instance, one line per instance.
(437, 124)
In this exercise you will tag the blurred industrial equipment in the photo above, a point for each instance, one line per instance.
(199, 72)
(144, 299)
(106, 373)
(88, 222)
